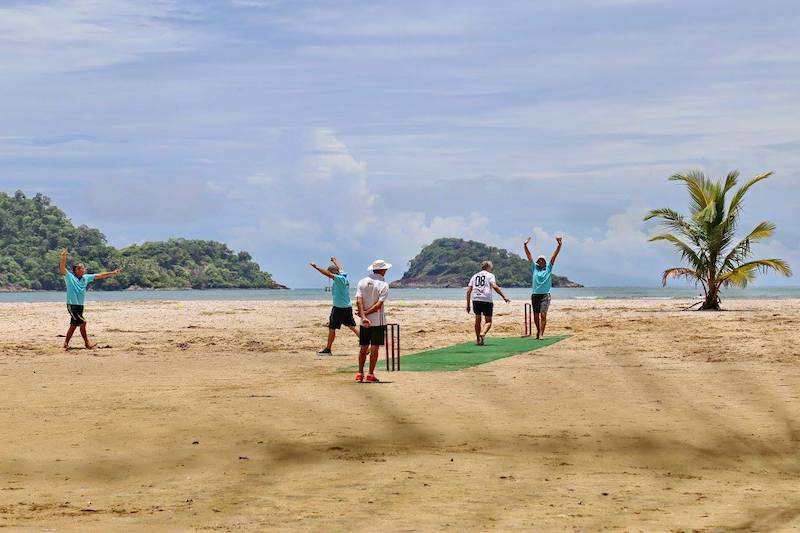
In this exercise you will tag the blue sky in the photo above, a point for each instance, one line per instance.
(296, 129)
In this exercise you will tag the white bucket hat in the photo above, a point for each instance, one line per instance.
(541, 257)
(379, 264)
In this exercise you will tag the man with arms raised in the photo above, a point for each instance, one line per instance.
(342, 311)
(479, 298)
(542, 282)
(76, 282)
(371, 296)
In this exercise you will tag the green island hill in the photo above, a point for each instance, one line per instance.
(33, 232)
(451, 262)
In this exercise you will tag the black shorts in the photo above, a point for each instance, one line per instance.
(76, 315)
(340, 316)
(483, 308)
(540, 303)
(374, 335)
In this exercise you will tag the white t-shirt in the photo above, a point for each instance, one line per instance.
(481, 284)
(371, 290)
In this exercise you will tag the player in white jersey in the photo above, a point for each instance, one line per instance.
(371, 295)
(479, 298)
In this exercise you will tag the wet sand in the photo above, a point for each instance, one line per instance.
(218, 416)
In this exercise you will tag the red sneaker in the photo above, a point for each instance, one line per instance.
(360, 377)
(372, 379)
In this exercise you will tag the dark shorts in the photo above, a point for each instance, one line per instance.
(341, 316)
(374, 335)
(540, 302)
(76, 315)
(483, 308)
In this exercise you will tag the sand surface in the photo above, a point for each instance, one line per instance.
(218, 416)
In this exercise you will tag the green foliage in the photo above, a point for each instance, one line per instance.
(457, 260)
(707, 240)
(33, 232)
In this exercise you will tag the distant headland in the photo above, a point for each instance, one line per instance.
(33, 232)
(450, 262)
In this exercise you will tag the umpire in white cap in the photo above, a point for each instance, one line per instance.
(371, 296)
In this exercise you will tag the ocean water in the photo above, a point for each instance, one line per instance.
(588, 293)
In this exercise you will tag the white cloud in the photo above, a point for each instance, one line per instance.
(68, 35)
(407, 232)
(321, 202)
(337, 209)
(338, 212)
(332, 159)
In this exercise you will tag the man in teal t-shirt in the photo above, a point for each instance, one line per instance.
(542, 278)
(76, 286)
(342, 311)
(76, 282)
(340, 289)
(541, 284)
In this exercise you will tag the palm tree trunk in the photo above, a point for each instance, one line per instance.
(711, 302)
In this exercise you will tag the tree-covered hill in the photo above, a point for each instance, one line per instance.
(33, 232)
(451, 262)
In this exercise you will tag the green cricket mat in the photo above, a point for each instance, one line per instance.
(468, 354)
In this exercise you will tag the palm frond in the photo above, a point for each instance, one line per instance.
(738, 277)
(671, 219)
(695, 184)
(741, 251)
(664, 212)
(687, 252)
(736, 201)
(713, 209)
(747, 271)
(730, 181)
(681, 272)
(724, 236)
(765, 265)
(763, 230)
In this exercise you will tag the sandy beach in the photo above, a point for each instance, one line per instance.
(218, 416)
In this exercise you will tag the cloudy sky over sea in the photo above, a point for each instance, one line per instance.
(296, 129)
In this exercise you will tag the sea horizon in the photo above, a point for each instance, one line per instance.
(446, 294)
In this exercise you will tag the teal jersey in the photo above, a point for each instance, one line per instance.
(542, 278)
(341, 291)
(76, 288)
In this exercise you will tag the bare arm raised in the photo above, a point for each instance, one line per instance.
(527, 250)
(321, 270)
(104, 275)
(556, 252)
(63, 264)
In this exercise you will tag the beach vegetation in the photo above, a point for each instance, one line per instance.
(33, 231)
(707, 238)
(451, 262)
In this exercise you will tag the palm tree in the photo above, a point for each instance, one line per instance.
(707, 240)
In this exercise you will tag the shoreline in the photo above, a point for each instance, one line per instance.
(141, 289)
(324, 298)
